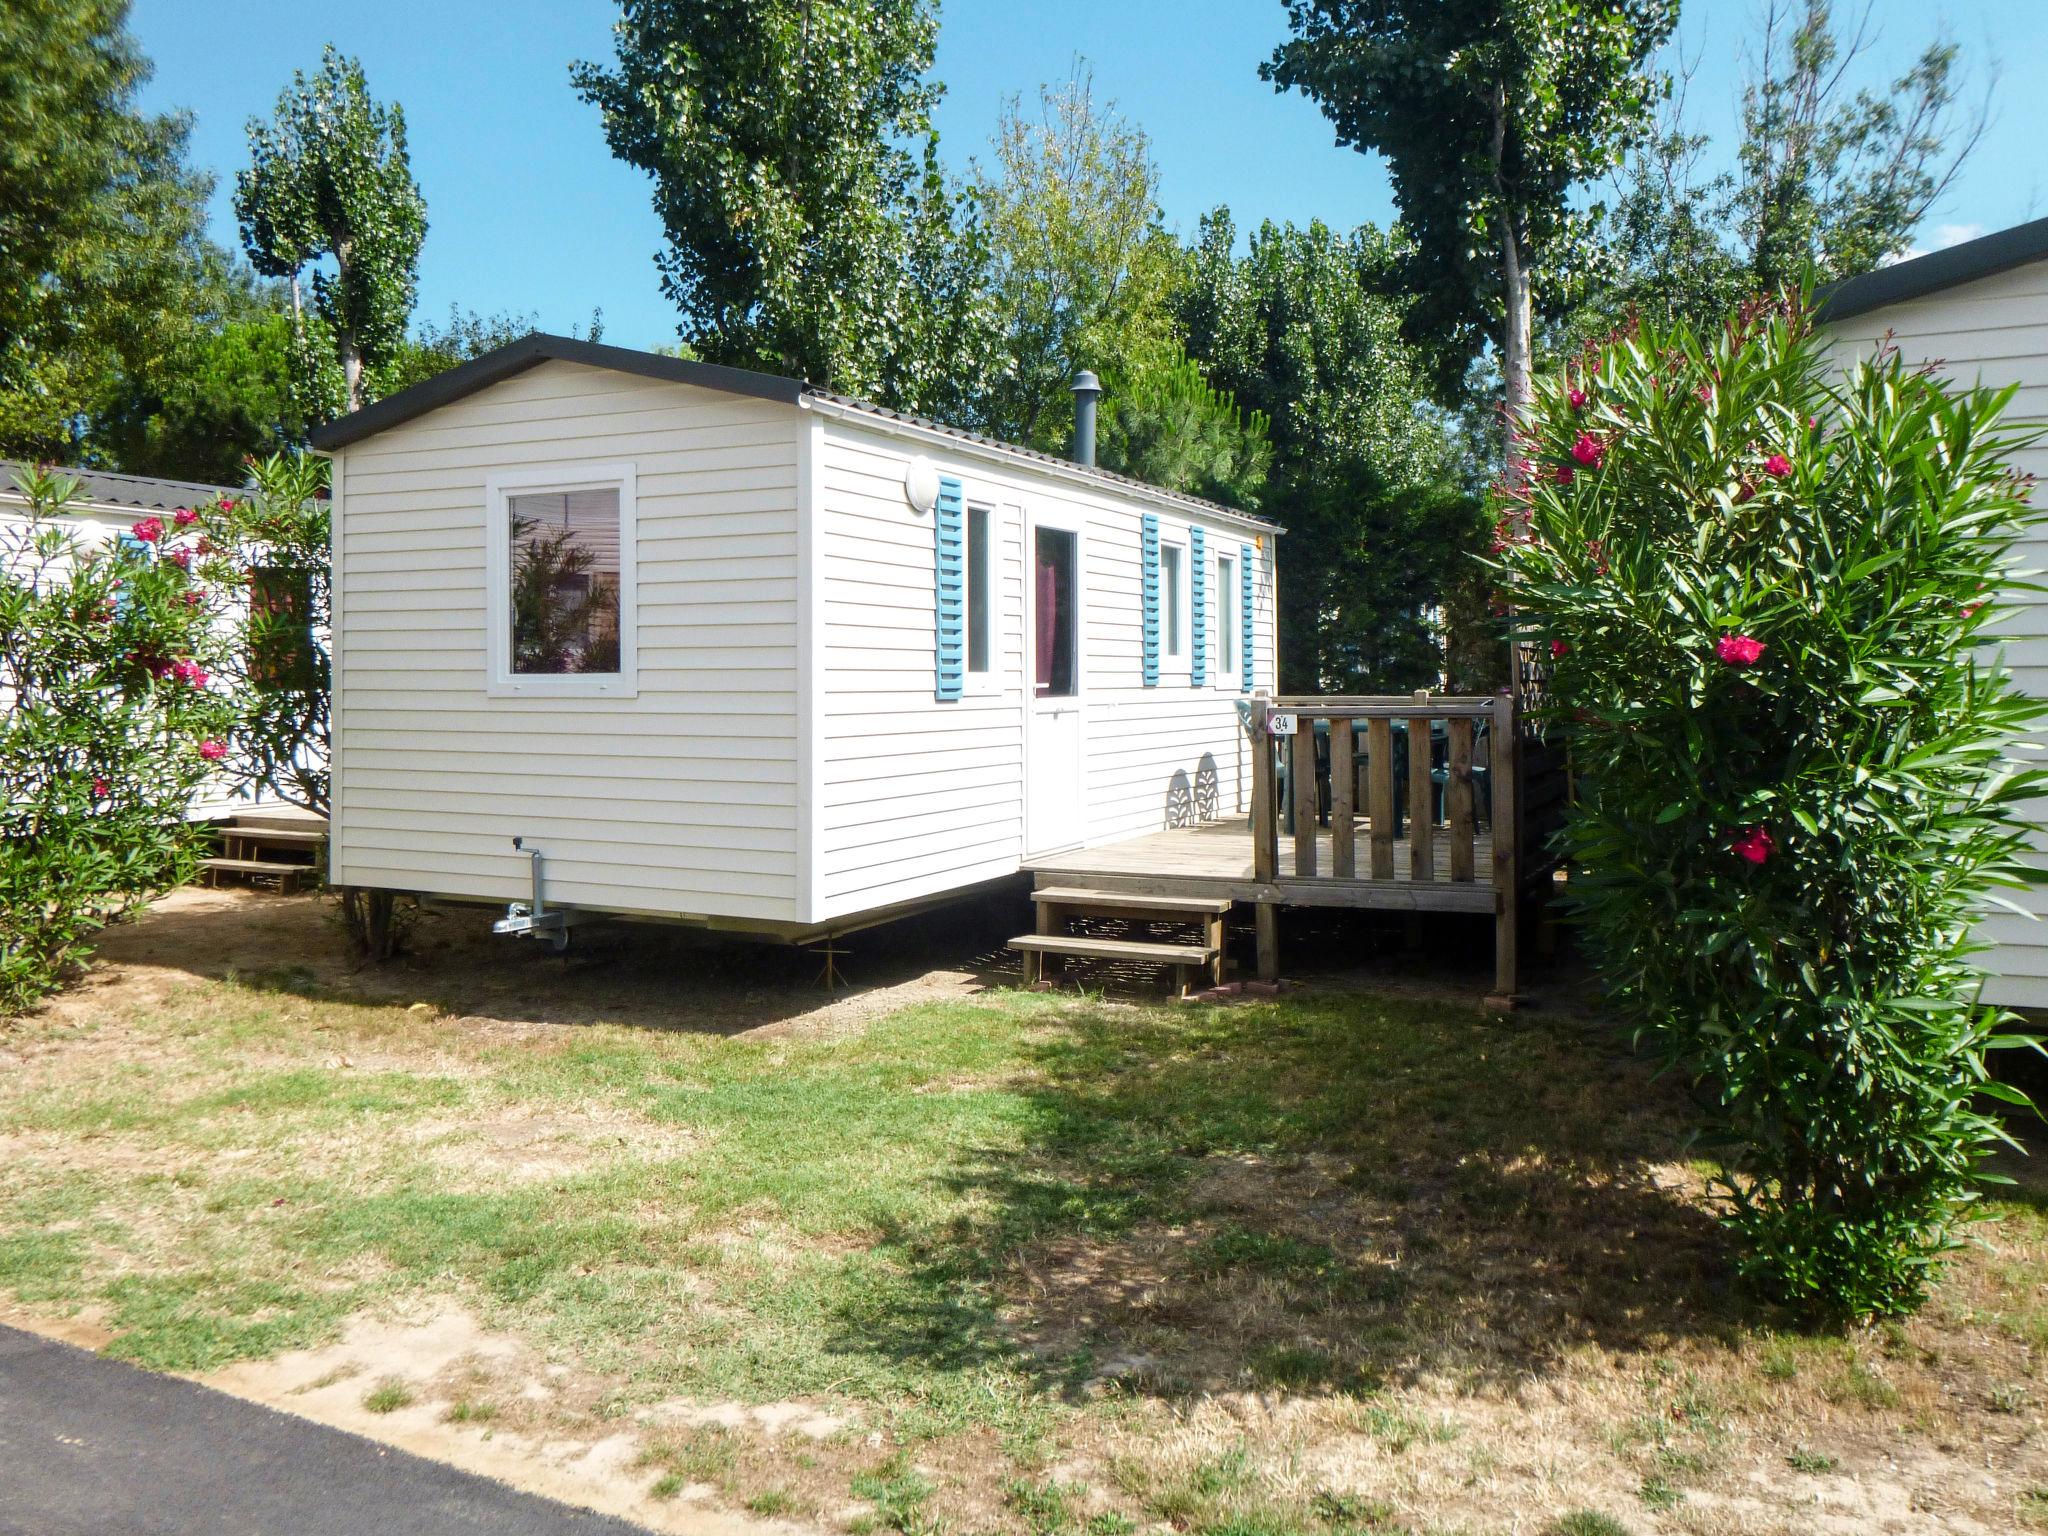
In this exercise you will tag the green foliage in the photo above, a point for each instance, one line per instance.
(221, 395)
(433, 349)
(273, 545)
(1364, 476)
(1489, 113)
(100, 244)
(1768, 599)
(1827, 183)
(330, 177)
(804, 235)
(1085, 270)
(105, 660)
(1167, 425)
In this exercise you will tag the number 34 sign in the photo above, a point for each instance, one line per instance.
(1280, 725)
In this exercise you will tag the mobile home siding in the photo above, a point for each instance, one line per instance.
(1994, 331)
(681, 798)
(916, 795)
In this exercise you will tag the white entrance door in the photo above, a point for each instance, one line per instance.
(1053, 814)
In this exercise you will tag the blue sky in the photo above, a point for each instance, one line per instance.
(529, 214)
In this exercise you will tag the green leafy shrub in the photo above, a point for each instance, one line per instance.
(110, 719)
(273, 543)
(1764, 590)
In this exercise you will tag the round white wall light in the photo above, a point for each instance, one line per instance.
(921, 484)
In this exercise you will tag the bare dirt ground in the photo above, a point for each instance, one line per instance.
(932, 1256)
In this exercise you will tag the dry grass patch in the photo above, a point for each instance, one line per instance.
(1050, 1266)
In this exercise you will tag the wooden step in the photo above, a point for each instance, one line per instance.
(272, 834)
(276, 821)
(1115, 949)
(254, 867)
(1185, 959)
(1120, 901)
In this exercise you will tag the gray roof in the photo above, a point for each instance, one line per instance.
(108, 488)
(538, 347)
(1985, 256)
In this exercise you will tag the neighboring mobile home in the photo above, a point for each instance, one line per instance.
(726, 648)
(105, 506)
(1979, 312)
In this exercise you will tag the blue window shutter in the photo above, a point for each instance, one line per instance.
(1198, 608)
(1244, 614)
(140, 549)
(1151, 585)
(949, 524)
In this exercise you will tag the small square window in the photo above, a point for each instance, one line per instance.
(565, 582)
(561, 602)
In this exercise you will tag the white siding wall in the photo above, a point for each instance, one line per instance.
(915, 796)
(680, 800)
(1994, 331)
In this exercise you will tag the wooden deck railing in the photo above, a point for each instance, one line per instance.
(1442, 864)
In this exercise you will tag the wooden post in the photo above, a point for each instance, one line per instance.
(1214, 929)
(1379, 794)
(1304, 797)
(1421, 791)
(1458, 798)
(1267, 914)
(1343, 799)
(1265, 799)
(1506, 838)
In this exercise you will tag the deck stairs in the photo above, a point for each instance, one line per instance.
(273, 848)
(1060, 906)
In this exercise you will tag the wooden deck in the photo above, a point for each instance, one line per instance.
(1216, 859)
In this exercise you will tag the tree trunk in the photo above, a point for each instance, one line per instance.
(1514, 349)
(345, 333)
(352, 369)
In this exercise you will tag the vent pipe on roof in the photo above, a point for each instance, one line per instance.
(1087, 390)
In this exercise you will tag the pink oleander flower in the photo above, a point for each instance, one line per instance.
(1754, 844)
(149, 530)
(184, 517)
(1563, 474)
(1577, 398)
(1558, 650)
(1739, 650)
(101, 789)
(181, 558)
(1777, 466)
(1589, 450)
(212, 751)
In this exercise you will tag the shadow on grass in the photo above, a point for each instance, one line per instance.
(641, 975)
(1326, 1194)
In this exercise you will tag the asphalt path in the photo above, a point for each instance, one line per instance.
(95, 1447)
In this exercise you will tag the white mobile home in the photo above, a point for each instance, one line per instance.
(102, 509)
(730, 649)
(1979, 313)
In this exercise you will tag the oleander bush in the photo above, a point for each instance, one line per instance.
(1766, 593)
(110, 719)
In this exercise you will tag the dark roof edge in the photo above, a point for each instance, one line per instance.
(1986, 256)
(529, 352)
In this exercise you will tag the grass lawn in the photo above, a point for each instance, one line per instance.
(1346, 1261)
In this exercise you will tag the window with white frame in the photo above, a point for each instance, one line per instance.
(1173, 598)
(562, 580)
(980, 593)
(1226, 620)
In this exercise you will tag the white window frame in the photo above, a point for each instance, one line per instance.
(1174, 600)
(499, 488)
(1224, 668)
(990, 680)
